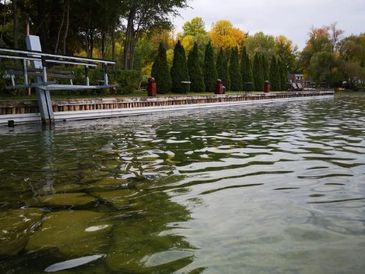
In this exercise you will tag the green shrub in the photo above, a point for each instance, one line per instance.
(7, 82)
(127, 81)
(249, 86)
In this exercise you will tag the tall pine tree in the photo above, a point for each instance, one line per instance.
(246, 70)
(283, 76)
(160, 71)
(274, 75)
(234, 71)
(222, 69)
(179, 70)
(226, 78)
(258, 73)
(265, 67)
(220, 64)
(210, 71)
(195, 70)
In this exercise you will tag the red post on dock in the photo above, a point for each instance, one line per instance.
(219, 88)
(152, 87)
(267, 87)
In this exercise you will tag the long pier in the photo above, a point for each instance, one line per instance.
(23, 112)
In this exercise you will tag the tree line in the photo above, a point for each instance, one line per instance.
(130, 32)
(234, 67)
(86, 26)
(328, 58)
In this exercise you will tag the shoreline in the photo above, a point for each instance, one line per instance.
(26, 111)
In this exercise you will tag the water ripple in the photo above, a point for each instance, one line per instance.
(274, 188)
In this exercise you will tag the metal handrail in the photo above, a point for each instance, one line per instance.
(20, 57)
(69, 63)
(57, 56)
(47, 60)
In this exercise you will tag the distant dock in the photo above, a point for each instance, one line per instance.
(26, 111)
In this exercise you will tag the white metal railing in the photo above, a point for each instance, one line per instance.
(85, 60)
(44, 59)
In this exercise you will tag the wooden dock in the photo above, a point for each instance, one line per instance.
(93, 108)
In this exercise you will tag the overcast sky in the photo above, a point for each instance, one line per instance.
(292, 18)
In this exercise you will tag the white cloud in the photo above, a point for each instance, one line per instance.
(293, 18)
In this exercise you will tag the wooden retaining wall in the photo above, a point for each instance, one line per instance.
(30, 106)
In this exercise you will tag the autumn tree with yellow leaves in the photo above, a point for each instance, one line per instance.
(224, 35)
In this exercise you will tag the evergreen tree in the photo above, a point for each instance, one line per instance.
(283, 76)
(210, 71)
(234, 71)
(226, 79)
(258, 74)
(195, 70)
(246, 70)
(265, 67)
(160, 71)
(222, 69)
(274, 75)
(179, 70)
(220, 64)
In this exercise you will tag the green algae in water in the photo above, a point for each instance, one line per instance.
(64, 200)
(139, 236)
(69, 232)
(105, 184)
(116, 198)
(15, 229)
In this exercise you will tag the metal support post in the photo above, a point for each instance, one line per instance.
(43, 95)
(87, 76)
(106, 79)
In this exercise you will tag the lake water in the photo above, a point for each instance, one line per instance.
(276, 188)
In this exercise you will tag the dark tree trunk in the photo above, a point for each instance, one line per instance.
(88, 43)
(41, 27)
(15, 23)
(67, 26)
(91, 44)
(60, 28)
(129, 43)
(113, 43)
(103, 37)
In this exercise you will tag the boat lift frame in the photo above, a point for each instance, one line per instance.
(34, 59)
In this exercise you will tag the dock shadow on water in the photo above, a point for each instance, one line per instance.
(277, 188)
